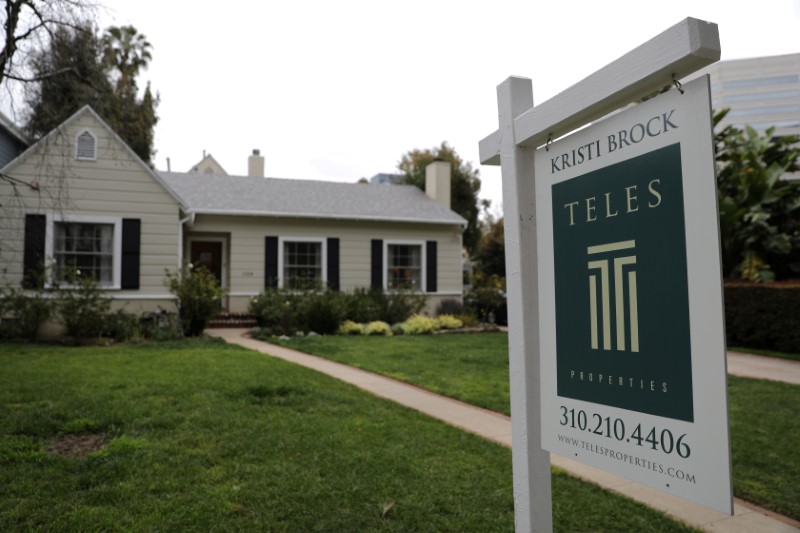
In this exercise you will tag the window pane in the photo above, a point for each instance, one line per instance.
(302, 265)
(404, 267)
(84, 251)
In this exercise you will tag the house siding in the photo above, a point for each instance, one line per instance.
(115, 184)
(245, 264)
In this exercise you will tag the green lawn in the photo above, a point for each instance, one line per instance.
(203, 436)
(765, 426)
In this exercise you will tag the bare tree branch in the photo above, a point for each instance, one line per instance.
(28, 24)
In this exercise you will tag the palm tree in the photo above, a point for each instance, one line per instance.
(127, 51)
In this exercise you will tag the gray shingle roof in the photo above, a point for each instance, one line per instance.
(241, 195)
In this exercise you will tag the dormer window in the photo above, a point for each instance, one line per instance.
(86, 146)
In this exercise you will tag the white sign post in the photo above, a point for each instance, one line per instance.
(529, 195)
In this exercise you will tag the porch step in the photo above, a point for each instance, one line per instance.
(232, 320)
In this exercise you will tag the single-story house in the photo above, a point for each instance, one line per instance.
(81, 197)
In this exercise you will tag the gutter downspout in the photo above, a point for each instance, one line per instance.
(190, 219)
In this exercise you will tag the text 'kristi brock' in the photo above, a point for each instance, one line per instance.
(653, 127)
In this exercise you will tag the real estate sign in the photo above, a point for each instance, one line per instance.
(633, 371)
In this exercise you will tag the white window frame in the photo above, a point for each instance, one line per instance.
(423, 263)
(94, 151)
(323, 250)
(116, 264)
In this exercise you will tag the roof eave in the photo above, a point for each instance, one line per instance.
(462, 223)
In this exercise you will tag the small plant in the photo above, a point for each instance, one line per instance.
(419, 325)
(378, 328)
(349, 327)
(199, 297)
(23, 312)
(449, 322)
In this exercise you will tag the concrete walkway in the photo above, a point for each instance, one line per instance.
(496, 427)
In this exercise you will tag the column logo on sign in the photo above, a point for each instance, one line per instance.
(602, 316)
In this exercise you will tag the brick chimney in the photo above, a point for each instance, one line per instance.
(255, 165)
(437, 181)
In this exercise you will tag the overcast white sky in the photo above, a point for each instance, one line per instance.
(339, 90)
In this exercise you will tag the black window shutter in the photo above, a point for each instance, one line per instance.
(333, 263)
(270, 262)
(430, 267)
(377, 264)
(33, 256)
(131, 253)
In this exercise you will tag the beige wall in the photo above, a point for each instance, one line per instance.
(244, 238)
(115, 185)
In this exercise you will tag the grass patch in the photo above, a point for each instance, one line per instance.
(768, 353)
(472, 367)
(765, 430)
(204, 436)
(765, 426)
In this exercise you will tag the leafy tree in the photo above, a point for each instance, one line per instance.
(83, 66)
(73, 59)
(464, 185)
(491, 252)
(759, 211)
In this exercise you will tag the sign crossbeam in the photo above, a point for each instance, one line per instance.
(681, 50)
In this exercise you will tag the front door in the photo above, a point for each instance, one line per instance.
(209, 255)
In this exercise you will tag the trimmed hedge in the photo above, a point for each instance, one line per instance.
(765, 316)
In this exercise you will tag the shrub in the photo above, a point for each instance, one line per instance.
(324, 311)
(199, 297)
(81, 306)
(450, 307)
(349, 327)
(122, 326)
(402, 305)
(419, 325)
(22, 313)
(397, 329)
(484, 302)
(160, 325)
(378, 327)
(448, 322)
(763, 316)
(468, 320)
(363, 305)
(368, 305)
(278, 311)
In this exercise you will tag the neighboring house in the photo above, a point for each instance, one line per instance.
(386, 179)
(127, 223)
(209, 165)
(12, 141)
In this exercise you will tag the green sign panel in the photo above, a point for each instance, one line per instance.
(622, 298)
